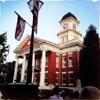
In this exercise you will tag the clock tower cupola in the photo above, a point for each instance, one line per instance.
(68, 28)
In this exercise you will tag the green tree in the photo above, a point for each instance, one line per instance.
(10, 72)
(89, 59)
(3, 50)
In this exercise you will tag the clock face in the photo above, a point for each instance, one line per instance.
(74, 26)
(65, 26)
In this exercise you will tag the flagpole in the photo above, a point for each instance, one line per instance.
(34, 7)
(29, 69)
(23, 19)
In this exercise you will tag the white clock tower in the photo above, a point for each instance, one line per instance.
(68, 28)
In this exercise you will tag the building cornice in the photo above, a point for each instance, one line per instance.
(69, 30)
(51, 44)
(58, 47)
(71, 45)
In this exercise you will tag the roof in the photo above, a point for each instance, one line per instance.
(38, 42)
(68, 15)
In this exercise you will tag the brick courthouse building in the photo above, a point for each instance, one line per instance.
(58, 63)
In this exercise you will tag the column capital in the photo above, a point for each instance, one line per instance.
(24, 55)
(43, 49)
(34, 52)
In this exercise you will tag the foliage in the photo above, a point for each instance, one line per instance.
(3, 50)
(10, 72)
(89, 66)
(19, 73)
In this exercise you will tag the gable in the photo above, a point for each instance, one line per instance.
(28, 43)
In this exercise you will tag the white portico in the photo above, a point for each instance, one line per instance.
(41, 49)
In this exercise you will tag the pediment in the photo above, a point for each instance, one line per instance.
(25, 43)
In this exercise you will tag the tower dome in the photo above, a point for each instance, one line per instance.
(68, 15)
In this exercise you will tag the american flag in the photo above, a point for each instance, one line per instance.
(37, 6)
(19, 28)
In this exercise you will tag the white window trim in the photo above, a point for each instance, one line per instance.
(62, 60)
(68, 59)
(46, 71)
(63, 72)
(47, 77)
(69, 72)
(70, 66)
(58, 78)
(57, 72)
(70, 84)
(62, 77)
(45, 62)
(58, 60)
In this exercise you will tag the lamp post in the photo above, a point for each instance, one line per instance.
(32, 4)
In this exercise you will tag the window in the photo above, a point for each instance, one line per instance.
(63, 78)
(46, 61)
(57, 78)
(66, 38)
(70, 62)
(57, 60)
(46, 77)
(64, 61)
(70, 74)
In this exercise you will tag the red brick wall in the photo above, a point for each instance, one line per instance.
(51, 67)
(74, 69)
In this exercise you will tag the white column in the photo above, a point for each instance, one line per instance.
(23, 67)
(33, 65)
(16, 68)
(42, 77)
